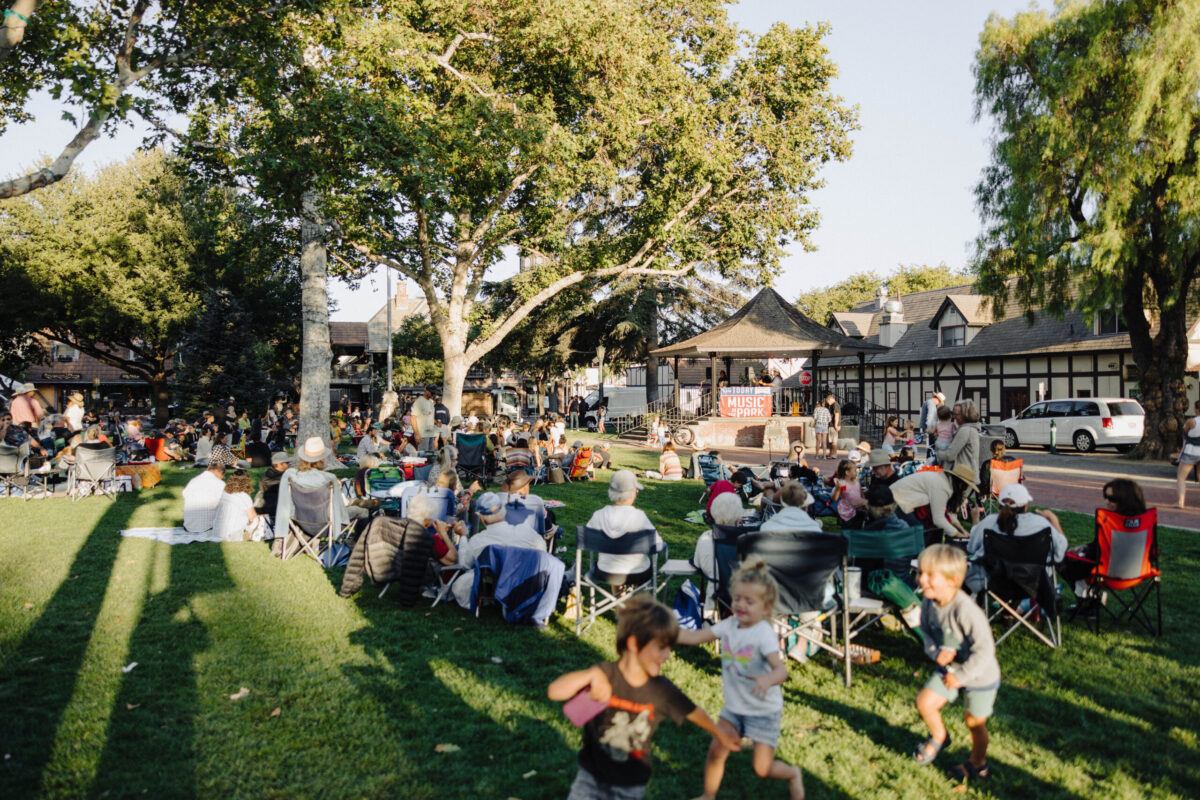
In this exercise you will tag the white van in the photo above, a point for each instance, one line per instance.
(1082, 422)
(622, 400)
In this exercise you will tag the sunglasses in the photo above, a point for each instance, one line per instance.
(1110, 498)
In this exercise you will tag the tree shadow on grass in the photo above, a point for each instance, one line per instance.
(39, 679)
(166, 643)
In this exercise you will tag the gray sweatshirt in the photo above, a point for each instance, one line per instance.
(962, 626)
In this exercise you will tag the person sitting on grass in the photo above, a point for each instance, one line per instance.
(520, 456)
(498, 531)
(752, 669)
(617, 519)
(201, 497)
(669, 468)
(601, 458)
(632, 697)
(267, 498)
(958, 638)
(236, 520)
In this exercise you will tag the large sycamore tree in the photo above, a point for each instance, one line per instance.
(1092, 195)
(608, 140)
(125, 60)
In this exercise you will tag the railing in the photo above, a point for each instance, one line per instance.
(352, 372)
(665, 408)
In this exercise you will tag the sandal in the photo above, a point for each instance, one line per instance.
(965, 770)
(928, 750)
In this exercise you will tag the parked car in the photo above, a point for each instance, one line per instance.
(1083, 422)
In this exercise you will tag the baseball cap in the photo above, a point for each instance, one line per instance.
(489, 503)
(623, 481)
(1015, 494)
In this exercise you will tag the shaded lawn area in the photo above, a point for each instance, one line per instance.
(366, 690)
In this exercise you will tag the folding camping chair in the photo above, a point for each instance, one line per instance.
(802, 563)
(421, 473)
(1021, 568)
(94, 471)
(1128, 568)
(580, 468)
(899, 545)
(382, 478)
(413, 489)
(596, 542)
(725, 556)
(711, 470)
(12, 471)
(472, 456)
(524, 583)
(313, 519)
(1004, 473)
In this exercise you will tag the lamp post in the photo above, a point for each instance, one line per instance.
(388, 271)
(600, 359)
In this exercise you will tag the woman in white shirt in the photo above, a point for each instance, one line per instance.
(236, 519)
(74, 411)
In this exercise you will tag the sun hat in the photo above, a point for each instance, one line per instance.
(1016, 495)
(23, 388)
(864, 446)
(456, 421)
(314, 450)
(518, 479)
(964, 473)
(879, 458)
(940, 396)
(489, 503)
(78, 396)
(624, 480)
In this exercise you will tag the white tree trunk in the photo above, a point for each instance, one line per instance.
(455, 377)
(317, 353)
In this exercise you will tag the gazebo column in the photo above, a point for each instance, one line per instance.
(713, 400)
(816, 382)
(675, 385)
(862, 383)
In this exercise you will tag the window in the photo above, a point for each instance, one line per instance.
(1035, 411)
(954, 335)
(1060, 408)
(1110, 321)
(1125, 408)
(63, 352)
(1086, 410)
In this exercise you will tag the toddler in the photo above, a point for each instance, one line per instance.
(943, 430)
(615, 759)
(847, 493)
(891, 433)
(957, 636)
(752, 670)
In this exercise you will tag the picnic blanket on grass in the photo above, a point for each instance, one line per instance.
(171, 535)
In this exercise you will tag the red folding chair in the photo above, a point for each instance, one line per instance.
(581, 466)
(1128, 569)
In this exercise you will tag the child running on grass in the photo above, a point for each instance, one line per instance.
(615, 759)
(752, 669)
(958, 638)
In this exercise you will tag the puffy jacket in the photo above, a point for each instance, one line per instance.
(390, 551)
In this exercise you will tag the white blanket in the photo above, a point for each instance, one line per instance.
(171, 535)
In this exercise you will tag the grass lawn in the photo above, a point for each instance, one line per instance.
(366, 690)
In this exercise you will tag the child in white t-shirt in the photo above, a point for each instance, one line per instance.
(752, 669)
(236, 520)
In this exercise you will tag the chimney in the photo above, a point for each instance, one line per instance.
(400, 299)
(892, 325)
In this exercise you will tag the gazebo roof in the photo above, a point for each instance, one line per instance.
(768, 326)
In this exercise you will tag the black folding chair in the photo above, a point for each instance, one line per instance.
(596, 542)
(12, 471)
(1020, 568)
(472, 456)
(802, 563)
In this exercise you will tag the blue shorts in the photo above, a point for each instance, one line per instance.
(760, 729)
(586, 787)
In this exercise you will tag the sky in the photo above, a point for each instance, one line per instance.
(905, 196)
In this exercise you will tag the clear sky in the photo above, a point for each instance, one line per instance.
(904, 197)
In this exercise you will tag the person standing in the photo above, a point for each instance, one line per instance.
(423, 421)
(74, 411)
(25, 406)
(573, 412)
(835, 423)
(777, 392)
(928, 415)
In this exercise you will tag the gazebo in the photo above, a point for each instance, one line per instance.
(767, 327)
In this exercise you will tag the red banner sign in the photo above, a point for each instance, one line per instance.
(749, 401)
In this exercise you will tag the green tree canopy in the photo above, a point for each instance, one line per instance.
(607, 140)
(818, 304)
(1093, 193)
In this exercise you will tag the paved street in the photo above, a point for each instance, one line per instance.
(1068, 480)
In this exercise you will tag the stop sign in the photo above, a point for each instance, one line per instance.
(806, 378)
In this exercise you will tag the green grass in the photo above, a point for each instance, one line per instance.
(366, 689)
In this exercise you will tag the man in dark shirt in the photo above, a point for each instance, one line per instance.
(267, 498)
(441, 414)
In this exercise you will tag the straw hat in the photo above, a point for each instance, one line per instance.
(965, 474)
(518, 479)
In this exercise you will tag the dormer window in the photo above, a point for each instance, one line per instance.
(63, 352)
(1110, 321)
(954, 335)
